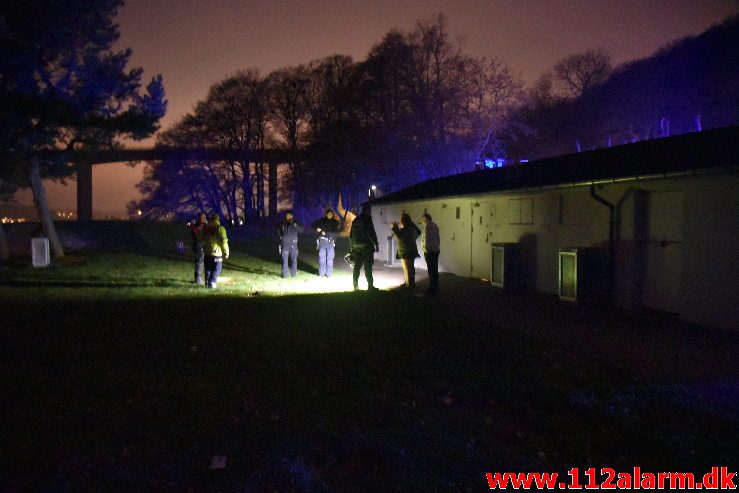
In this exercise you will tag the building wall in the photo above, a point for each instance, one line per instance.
(711, 252)
(676, 248)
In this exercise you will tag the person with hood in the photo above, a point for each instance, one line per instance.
(288, 231)
(406, 233)
(363, 244)
(215, 247)
(197, 232)
(328, 228)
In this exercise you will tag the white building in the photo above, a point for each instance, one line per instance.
(668, 209)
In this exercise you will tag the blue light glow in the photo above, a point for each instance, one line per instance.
(494, 163)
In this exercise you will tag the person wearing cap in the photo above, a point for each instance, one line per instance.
(288, 231)
(327, 228)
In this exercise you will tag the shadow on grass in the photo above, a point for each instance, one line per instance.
(262, 250)
(94, 283)
(230, 265)
(227, 265)
(267, 251)
(188, 258)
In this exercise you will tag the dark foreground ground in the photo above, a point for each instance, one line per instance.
(348, 391)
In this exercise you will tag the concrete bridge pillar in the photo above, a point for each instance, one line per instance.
(84, 190)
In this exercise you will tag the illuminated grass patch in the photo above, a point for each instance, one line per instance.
(252, 270)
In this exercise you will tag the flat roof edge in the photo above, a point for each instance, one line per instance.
(585, 183)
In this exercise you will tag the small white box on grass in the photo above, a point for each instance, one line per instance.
(40, 252)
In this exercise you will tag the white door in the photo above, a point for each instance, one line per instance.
(455, 238)
(663, 250)
(480, 231)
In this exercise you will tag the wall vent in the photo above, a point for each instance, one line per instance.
(581, 274)
(506, 266)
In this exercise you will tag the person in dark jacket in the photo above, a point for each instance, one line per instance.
(363, 243)
(288, 231)
(406, 234)
(327, 228)
(430, 242)
(197, 232)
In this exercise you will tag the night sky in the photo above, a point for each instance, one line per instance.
(195, 43)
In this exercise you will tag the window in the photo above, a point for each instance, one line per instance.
(458, 213)
(521, 211)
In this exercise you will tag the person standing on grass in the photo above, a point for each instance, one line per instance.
(406, 233)
(197, 231)
(363, 244)
(288, 231)
(430, 244)
(215, 247)
(327, 228)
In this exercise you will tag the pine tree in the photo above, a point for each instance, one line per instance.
(64, 87)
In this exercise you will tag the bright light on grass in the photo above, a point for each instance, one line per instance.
(155, 274)
(308, 283)
(305, 283)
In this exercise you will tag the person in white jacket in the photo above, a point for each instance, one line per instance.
(430, 243)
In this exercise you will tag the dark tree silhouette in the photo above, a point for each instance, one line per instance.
(232, 117)
(578, 73)
(689, 85)
(66, 88)
(288, 108)
(416, 108)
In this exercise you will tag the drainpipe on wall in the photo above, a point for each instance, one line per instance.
(611, 242)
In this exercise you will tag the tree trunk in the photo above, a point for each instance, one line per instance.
(272, 170)
(42, 208)
(246, 191)
(4, 250)
(296, 180)
(260, 189)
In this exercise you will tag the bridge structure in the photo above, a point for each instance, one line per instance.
(84, 161)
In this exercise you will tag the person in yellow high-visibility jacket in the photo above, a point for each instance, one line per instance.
(215, 248)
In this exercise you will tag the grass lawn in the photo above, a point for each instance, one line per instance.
(119, 375)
